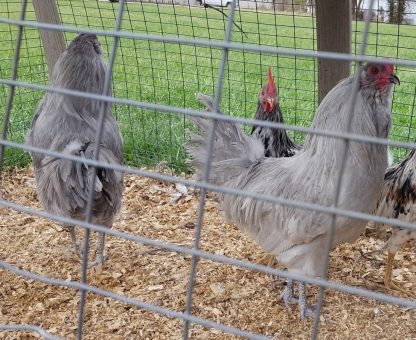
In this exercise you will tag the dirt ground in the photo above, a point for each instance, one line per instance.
(226, 294)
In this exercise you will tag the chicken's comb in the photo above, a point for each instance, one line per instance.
(271, 85)
(389, 68)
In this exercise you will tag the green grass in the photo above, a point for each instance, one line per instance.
(171, 74)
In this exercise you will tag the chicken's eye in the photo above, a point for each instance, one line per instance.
(374, 70)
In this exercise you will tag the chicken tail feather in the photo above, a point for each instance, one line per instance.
(233, 151)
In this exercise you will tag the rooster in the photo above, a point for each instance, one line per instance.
(296, 236)
(276, 141)
(68, 124)
(397, 200)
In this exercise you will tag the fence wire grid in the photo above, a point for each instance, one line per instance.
(160, 55)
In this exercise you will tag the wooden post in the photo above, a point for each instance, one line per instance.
(53, 41)
(333, 25)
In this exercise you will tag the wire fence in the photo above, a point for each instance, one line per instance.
(160, 55)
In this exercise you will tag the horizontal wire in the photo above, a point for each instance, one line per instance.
(215, 257)
(211, 43)
(32, 328)
(134, 302)
(212, 115)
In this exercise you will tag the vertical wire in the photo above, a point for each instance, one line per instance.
(394, 92)
(295, 62)
(151, 155)
(328, 245)
(164, 58)
(134, 156)
(9, 103)
(99, 133)
(146, 134)
(260, 69)
(314, 40)
(217, 100)
(156, 116)
(245, 69)
(411, 116)
(377, 26)
(278, 72)
(198, 76)
(210, 48)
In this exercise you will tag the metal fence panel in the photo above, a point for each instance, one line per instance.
(158, 58)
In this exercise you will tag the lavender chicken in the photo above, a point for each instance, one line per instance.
(297, 237)
(68, 124)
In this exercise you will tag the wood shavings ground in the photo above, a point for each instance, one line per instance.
(222, 293)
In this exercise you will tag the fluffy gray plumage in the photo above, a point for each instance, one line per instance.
(397, 200)
(68, 124)
(295, 236)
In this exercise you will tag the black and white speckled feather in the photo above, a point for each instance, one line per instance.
(276, 142)
(398, 199)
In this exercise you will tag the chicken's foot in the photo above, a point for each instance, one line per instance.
(287, 295)
(388, 281)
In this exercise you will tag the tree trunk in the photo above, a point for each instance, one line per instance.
(53, 41)
(390, 6)
(401, 8)
(333, 24)
(279, 5)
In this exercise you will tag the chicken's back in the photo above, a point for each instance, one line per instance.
(62, 185)
(68, 124)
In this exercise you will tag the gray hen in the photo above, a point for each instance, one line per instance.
(68, 124)
(295, 236)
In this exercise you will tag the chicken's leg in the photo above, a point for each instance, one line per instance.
(75, 243)
(388, 281)
(306, 311)
(100, 258)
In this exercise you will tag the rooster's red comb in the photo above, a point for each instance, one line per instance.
(271, 86)
(390, 68)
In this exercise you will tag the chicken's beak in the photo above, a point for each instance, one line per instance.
(271, 102)
(394, 79)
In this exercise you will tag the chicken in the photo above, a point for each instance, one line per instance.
(276, 141)
(397, 200)
(68, 124)
(297, 237)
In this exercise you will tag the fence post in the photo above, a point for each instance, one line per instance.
(53, 41)
(333, 25)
